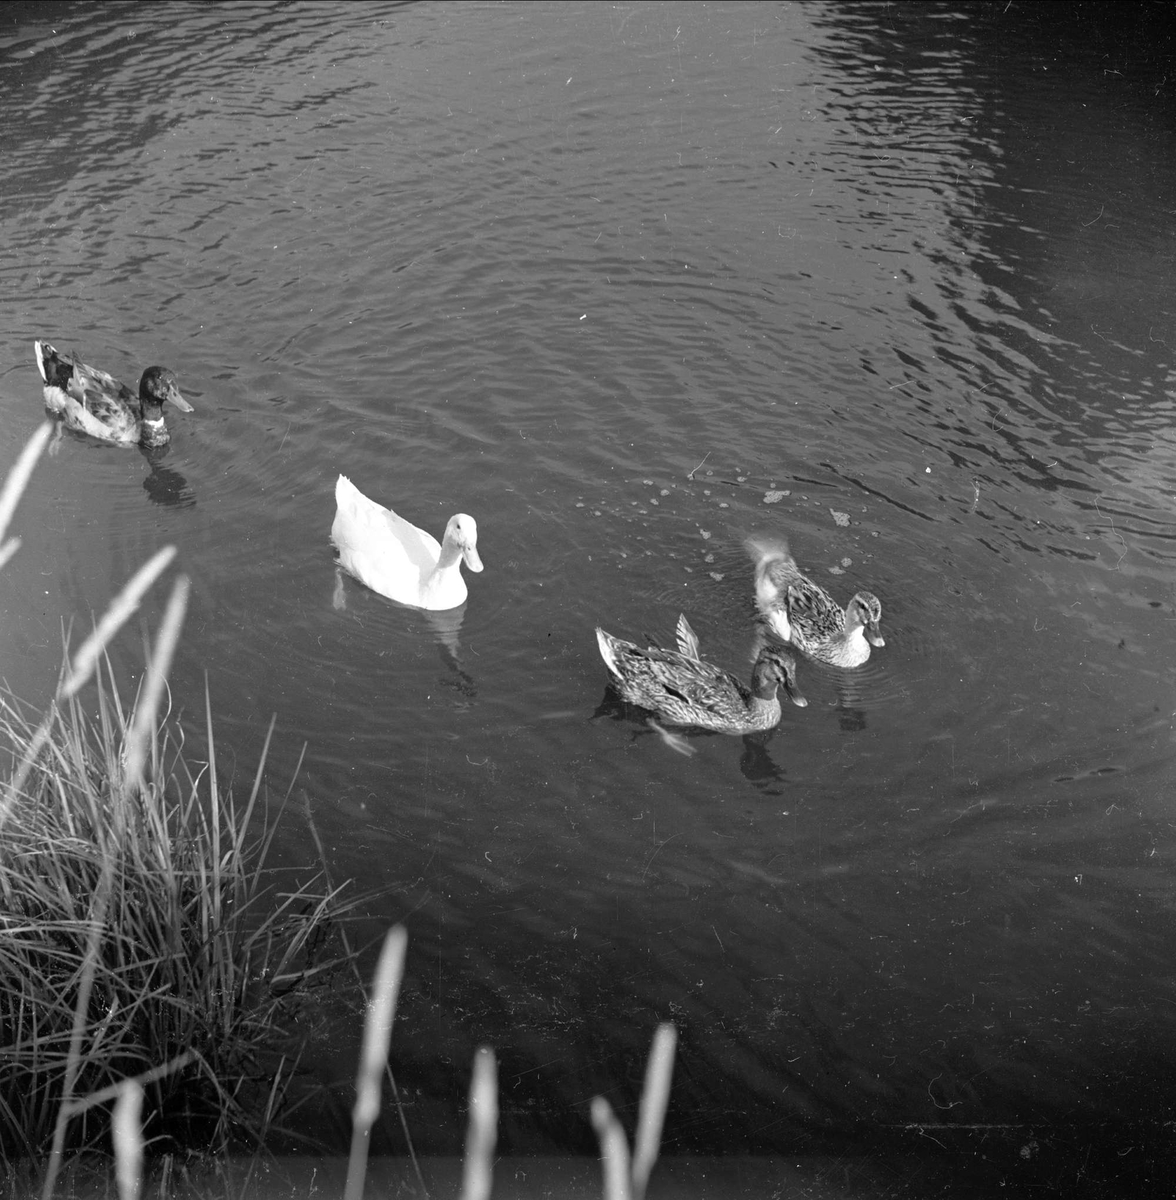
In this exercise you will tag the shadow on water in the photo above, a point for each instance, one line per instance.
(165, 485)
(756, 763)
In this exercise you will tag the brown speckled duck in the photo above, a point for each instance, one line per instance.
(684, 690)
(802, 613)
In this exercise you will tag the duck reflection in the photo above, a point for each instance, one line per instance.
(164, 485)
(755, 761)
(614, 708)
(443, 624)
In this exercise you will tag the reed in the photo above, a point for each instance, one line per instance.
(623, 1179)
(377, 1035)
(139, 925)
(15, 484)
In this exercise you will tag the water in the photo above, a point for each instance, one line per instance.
(627, 284)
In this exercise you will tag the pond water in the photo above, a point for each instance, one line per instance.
(629, 283)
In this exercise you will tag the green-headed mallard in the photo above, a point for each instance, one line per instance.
(93, 402)
(398, 560)
(684, 690)
(802, 613)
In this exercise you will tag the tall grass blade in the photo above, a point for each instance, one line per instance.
(97, 922)
(114, 1090)
(614, 1150)
(255, 791)
(144, 724)
(20, 473)
(121, 607)
(308, 815)
(478, 1168)
(213, 787)
(33, 747)
(377, 1035)
(655, 1096)
(127, 1131)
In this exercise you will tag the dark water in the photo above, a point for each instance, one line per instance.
(626, 284)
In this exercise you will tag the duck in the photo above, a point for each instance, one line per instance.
(93, 402)
(802, 613)
(683, 689)
(396, 559)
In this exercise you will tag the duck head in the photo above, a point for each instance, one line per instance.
(865, 610)
(462, 534)
(158, 385)
(775, 669)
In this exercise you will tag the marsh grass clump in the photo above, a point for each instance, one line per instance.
(151, 896)
(141, 935)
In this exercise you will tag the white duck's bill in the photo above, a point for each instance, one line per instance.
(470, 554)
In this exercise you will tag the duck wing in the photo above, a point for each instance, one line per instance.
(99, 391)
(816, 614)
(88, 399)
(382, 550)
(699, 684)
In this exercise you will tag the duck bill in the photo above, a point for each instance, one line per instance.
(174, 397)
(793, 694)
(874, 636)
(470, 554)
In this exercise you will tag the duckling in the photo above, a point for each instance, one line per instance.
(395, 558)
(93, 402)
(684, 690)
(801, 612)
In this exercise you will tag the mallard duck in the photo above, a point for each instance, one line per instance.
(398, 560)
(93, 402)
(684, 690)
(802, 613)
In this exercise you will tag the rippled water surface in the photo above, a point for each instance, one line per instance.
(628, 283)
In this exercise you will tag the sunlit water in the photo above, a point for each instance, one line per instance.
(627, 284)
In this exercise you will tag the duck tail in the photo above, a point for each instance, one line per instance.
(774, 565)
(766, 549)
(55, 371)
(607, 650)
(687, 638)
(345, 490)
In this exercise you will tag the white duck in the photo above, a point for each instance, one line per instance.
(398, 560)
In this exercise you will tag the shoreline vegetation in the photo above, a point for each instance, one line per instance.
(152, 967)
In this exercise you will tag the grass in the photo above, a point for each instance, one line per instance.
(140, 930)
(151, 966)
